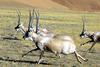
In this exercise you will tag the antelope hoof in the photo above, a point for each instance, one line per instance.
(41, 60)
(80, 62)
(86, 60)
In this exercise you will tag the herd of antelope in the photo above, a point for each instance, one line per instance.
(55, 43)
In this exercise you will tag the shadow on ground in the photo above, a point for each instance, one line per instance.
(23, 61)
(9, 38)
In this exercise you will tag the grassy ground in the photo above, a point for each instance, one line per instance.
(69, 23)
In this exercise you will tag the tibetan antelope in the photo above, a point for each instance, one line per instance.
(20, 27)
(55, 44)
(94, 37)
(42, 32)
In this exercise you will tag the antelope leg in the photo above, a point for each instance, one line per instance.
(36, 43)
(30, 51)
(40, 57)
(86, 42)
(81, 57)
(91, 46)
(77, 57)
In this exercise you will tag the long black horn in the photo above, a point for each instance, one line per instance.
(84, 23)
(32, 19)
(18, 13)
(29, 20)
(37, 20)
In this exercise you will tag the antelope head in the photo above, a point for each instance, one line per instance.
(17, 28)
(84, 33)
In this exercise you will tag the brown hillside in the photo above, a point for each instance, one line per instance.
(87, 5)
(12, 3)
(41, 4)
(45, 4)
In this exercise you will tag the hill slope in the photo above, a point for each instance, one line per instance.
(88, 5)
(12, 3)
(45, 4)
(41, 4)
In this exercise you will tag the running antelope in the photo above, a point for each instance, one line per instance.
(56, 44)
(43, 33)
(94, 37)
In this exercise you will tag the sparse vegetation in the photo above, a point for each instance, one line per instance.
(68, 22)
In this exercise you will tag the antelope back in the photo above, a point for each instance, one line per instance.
(60, 46)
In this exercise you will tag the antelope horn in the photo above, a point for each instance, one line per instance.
(29, 20)
(18, 13)
(32, 18)
(84, 22)
(37, 21)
